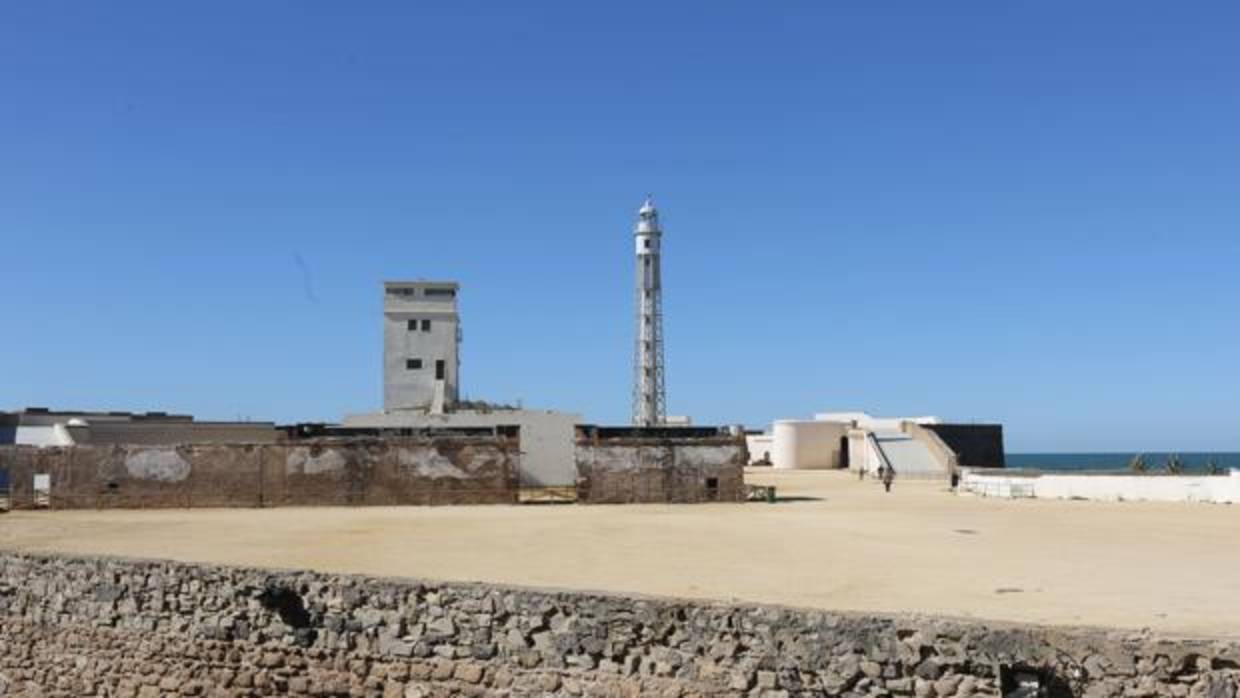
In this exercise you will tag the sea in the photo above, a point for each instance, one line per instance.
(1154, 461)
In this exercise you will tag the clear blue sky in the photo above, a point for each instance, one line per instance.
(1023, 212)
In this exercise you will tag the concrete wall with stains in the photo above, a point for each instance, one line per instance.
(438, 470)
(640, 470)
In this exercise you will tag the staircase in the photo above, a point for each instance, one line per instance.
(909, 457)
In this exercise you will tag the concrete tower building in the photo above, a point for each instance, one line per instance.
(649, 394)
(420, 387)
(421, 334)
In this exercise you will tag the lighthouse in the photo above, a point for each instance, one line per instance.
(649, 394)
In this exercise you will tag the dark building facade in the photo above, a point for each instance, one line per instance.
(976, 445)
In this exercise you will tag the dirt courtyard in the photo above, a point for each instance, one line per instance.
(832, 543)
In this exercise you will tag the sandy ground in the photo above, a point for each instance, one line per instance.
(834, 543)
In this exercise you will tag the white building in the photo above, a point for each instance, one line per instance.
(421, 337)
(856, 441)
(38, 426)
(864, 420)
(759, 445)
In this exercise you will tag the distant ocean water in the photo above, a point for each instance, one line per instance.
(1154, 461)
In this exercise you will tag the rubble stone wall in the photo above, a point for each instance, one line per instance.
(625, 471)
(73, 625)
(436, 470)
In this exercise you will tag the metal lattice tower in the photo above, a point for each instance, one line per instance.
(649, 394)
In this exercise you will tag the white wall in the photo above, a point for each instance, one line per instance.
(1110, 488)
(43, 435)
(761, 447)
(865, 420)
(862, 454)
(806, 445)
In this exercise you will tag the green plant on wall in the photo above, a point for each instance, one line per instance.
(1137, 464)
(1174, 465)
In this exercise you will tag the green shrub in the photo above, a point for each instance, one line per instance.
(1174, 465)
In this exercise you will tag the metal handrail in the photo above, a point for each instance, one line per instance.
(881, 454)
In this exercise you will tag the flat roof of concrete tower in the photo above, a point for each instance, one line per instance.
(422, 284)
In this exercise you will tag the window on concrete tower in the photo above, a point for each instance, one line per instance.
(413, 325)
(413, 364)
(426, 325)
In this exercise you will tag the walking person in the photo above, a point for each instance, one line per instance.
(889, 476)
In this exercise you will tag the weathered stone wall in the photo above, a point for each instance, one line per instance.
(430, 470)
(127, 627)
(637, 470)
(438, 470)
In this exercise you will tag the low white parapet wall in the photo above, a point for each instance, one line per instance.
(1215, 489)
